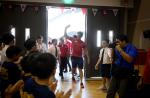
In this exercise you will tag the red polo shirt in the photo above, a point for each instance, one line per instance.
(146, 76)
(63, 50)
(69, 44)
(77, 47)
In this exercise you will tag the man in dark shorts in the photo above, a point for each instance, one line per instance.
(78, 51)
(105, 61)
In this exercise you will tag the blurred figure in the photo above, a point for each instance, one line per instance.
(30, 45)
(122, 68)
(63, 56)
(105, 61)
(7, 40)
(144, 83)
(44, 66)
(11, 71)
(41, 46)
(68, 43)
(78, 50)
(54, 49)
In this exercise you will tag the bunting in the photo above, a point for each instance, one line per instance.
(115, 11)
(94, 10)
(23, 7)
(104, 12)
(62, 9)
(84, 10)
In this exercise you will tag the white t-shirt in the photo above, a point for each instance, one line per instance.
(107, 59)
(42, 47)
(3, 53)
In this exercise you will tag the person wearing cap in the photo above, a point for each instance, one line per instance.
(122, 68)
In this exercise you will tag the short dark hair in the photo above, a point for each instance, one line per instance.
(29, 43)
(122, 37)
(80, 33)
(12, 51)
(54, 40)
(40, 37)
(44, 65)
(7, 38)
(107, 41)
(26, 62)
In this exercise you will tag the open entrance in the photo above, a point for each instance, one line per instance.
(60, 17)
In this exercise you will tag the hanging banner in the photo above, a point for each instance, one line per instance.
(62, 9)
(104, 12)
(84, 10)
(23, 7)
(115, 11)
(94, 10)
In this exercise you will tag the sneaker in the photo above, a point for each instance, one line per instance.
(82, 86)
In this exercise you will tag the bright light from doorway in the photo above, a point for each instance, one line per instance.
(59, 18)
(13, 31)
(111, 36)
(27, 33)
(99, 38)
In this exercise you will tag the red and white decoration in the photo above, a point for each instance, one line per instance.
(84, 10)
(36, 8)
(115, 11)
(94, 10)
(23, 7)
(62, 9)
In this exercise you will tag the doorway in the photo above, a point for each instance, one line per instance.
(60, 17)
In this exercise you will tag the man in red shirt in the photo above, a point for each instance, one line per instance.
(78, 51)
(145, 88)
(68, 43)
(63, 56)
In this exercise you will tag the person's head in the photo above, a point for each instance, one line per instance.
(44, 66)
(79, 34)
(13, 53)
(30, 45)
(61, 40)
(122, 40)
(54, 41)
(40, 39)
(105, 43)
(8, 39)
(26, 62)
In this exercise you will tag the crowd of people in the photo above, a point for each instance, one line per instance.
(31, 73)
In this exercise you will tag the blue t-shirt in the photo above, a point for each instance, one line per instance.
(130, 50)
(38, 91)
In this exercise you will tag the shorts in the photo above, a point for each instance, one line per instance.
(77, 62)
(105, 70)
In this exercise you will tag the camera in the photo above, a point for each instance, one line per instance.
(113, 45)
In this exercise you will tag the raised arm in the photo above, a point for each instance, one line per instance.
(65, 31)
